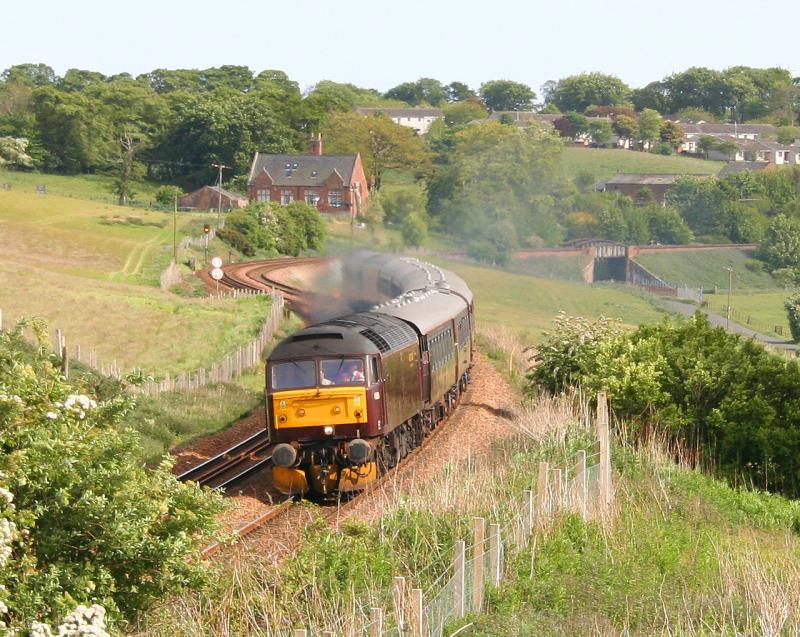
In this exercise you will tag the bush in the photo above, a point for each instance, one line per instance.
(86, 522)
(663, 149)
(792, 305)
(414, 230)
(237, 240)
(165, 195)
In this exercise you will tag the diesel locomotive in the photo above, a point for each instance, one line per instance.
(350, 397)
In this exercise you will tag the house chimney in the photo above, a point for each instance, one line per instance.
(315, 144)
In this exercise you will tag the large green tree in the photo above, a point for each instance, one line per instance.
(381, 143)
(505, 95)
(578, 92)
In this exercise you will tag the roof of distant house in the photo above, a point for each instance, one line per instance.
(647, 179)
(216, 189)
(302, 170)
(402, 112)
(733, 167)
(709, 128)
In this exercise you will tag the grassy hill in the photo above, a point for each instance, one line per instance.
(606, 162)
(92, 269)
(708, 268)
(527, 304)
(92, 187)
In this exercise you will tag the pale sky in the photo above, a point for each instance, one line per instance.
(380, 44)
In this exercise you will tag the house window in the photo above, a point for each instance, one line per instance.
(262, 194)
(335, 198)
(312, 197)
(287, 197)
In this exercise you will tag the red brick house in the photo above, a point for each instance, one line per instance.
(208, 198)
(332, 183)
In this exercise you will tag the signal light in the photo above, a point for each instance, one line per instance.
(206, 228)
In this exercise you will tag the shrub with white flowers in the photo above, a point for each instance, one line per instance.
(82, 521)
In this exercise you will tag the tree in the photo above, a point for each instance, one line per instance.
(625, 126)
(781, 245)
(400, 204)
(706, 144)
(571, 125)
(655, 95)
(600, 132)
(578, 92)
(34, 75)
(79, 80)
(382, 143)
(671, 133)
(505, 95)
(413, 230)
(131, 143)
(792, 306)
(649, 124)
(701, 204)
(788, 134)
(13, 153)
(464, 112)
(499, 176)
(459, 92)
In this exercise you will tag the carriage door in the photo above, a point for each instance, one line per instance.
(376, 407)
(425, 373)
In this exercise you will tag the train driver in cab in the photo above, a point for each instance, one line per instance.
(342, 372)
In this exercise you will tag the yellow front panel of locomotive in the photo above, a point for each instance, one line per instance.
(319, 407)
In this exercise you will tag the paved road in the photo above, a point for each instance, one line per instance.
(687, 309)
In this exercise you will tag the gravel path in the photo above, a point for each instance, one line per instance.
(685, 309)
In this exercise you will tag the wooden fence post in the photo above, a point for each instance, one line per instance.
(64, 362)
(494, 554)
(528, 512)
(328, 633)
(478, 541)
(399, 602)
(458, 578)
(59, 340)
(300, 632)
(416, 620)
(1, 320)
(542, 491)
(376, 622)
(604, 470)
(555, 504)
(580, 483)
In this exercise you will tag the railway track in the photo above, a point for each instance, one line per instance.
(233, 465)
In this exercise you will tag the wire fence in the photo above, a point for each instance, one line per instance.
(582, 485)
(231, 366)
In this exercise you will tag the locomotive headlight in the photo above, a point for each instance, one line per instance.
(328, 430)
(337, 410)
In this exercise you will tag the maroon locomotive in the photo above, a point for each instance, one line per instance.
(352, 396)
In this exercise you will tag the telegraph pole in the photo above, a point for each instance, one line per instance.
(730, 285)
(175, 231)
(219, 190)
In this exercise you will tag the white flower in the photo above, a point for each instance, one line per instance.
(7, 532)
(51, 415)
(6, 495)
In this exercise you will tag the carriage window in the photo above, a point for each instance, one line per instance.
(293, 375)
(342, 371)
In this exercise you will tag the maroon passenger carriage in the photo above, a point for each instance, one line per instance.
(352, 396)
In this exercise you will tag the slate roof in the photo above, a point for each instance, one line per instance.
(225, 193)
(707, 128)
(646, 179)
(733, 167)
(302, 170)
(402, 112)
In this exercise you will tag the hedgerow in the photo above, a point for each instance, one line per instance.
(82, 521)
(711, 391)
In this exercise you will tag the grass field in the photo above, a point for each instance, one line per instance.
(552, 267)
(603, 163)
(528, 304)
(92, 269)
(92, 187)
(707, 269)
(765, 310)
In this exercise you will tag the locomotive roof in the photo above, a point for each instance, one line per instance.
(362, 333)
